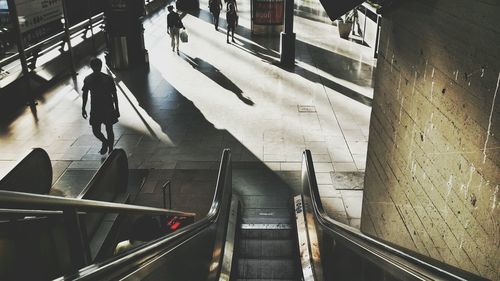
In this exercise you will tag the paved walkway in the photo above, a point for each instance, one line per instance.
(215, 95)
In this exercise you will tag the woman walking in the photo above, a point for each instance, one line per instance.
(231, 18)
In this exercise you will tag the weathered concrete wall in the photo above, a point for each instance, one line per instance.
(433, 168)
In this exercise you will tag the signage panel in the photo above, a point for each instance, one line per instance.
(36, 13)
(39, 19)
(3, 5)
(268, 12)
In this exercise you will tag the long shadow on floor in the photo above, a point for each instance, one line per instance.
(270, 55)
(198, 142)
(333, 63)
(215, 75)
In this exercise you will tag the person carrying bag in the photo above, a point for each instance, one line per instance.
(174, 24)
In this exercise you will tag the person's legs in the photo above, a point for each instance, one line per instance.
(172, 37)
(96, 129)
(232, 34)
(176, 37)
(111, 136)
(216, 19)
(227, 34)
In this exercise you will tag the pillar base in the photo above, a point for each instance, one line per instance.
(287, 49)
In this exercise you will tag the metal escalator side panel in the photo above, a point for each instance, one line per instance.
(228, 258)
(308, 242)
(224, 177)
(108, 184)
(31, 174)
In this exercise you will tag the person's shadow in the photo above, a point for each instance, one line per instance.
(215, 75)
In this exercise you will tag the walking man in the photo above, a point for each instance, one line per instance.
(103, 104)
(215, 8)
(231, 18)
(174, 24)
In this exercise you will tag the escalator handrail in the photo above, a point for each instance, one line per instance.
(146, 252)
(93, 184)
(392, 257)
(20, 170)
(21, 200)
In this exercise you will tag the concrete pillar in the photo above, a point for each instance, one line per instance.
(433, 167)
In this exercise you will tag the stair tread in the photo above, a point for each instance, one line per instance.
(276, 248)
(267, 234)
(273, 268)
(258, 279)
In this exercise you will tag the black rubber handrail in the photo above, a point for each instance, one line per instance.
(96, 182)
(142, 254)
(31, 174)
(397, 261)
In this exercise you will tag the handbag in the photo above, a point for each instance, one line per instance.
(184, 36)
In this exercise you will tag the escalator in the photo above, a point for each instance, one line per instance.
(232, 243)
(267, 254)
(31, 174)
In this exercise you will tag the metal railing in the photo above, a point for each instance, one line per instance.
(396, 262)
(56, 40)
(167, 186)
(71, 208)
(20, 200)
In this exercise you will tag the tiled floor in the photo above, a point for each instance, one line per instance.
(188, 107)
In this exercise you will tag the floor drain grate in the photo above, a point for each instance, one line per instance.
(306, 108)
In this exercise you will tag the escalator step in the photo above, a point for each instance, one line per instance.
(256, 248)
(268, 234)
(267, 269)
(239, 279)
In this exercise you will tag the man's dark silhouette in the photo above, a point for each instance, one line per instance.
(174, 24)
(215, 8)
(103, 104)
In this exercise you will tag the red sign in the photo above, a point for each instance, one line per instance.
(268, 12)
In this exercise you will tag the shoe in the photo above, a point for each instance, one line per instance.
(228, 41)
(173, 49)
(110, 148)
(234, 41)
(104, 149)
(177, 51)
